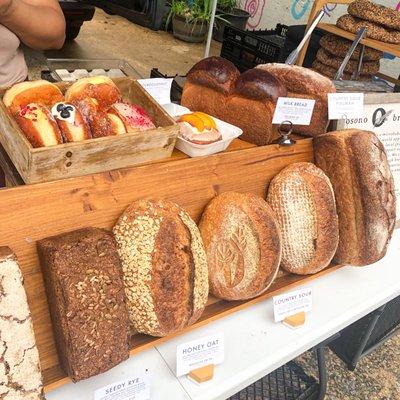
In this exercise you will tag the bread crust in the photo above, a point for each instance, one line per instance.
(82, 275)
(356, 163)
(243, 245)
(374, 31)
(375, 13)
(303, 201)
(307, 84)
(164, 266)
(330, 72)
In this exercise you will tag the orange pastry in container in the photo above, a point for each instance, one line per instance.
(71, 122)
(38, 125)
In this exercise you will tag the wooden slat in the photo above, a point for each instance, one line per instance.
(32, 212)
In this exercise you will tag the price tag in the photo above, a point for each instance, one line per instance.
(345, 105)
(292, 303)
(297, 111)
(135, 388)
(199, 353)
(158, 88)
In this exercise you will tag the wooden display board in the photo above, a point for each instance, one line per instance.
(32, 212)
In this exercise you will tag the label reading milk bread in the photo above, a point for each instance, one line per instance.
(297, 111)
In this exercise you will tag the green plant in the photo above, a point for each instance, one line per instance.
(194, 11)
(227, 5)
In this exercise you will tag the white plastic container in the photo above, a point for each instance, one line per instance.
(228, 132)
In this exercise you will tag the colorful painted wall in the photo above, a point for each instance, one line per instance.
(265, 14)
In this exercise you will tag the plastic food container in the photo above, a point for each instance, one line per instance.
(228, 132)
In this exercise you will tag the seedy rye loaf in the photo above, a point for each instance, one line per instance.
(164, 266)
(82, 274)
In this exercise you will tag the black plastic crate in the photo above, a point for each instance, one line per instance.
(366, 334)
(246, 49)
(288, 382)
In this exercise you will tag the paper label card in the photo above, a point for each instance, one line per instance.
(199, 353)
(288, 304)
(135, 388)
(158, 88)
(345, 105)
(297, 111)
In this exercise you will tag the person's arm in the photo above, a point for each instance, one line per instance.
(39, 24)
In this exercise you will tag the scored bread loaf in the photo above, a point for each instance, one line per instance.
(20, 377)
(307, 84)
(302, 199)
(215, 86)
(164, 266)
(243, 245)
(356, 163)
(82, 274)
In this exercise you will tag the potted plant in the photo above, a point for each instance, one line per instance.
(190, 19)
(228, 13)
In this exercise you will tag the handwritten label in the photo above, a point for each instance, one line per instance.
(199, 353)
(345, 105)
(297, 111)
(292, 303)
(158, 88)
(135, 388)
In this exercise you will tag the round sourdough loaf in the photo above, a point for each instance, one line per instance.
(164, 266)
(243, 245)
(303, 201)
(357, 165)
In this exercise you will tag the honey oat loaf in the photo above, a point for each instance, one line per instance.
(339, 47)
(376, 13)
(164, 266)
(243, 245)
(302, 199)
(374, 31)
(307, 84)
(84, 286)
(356, 163)
(20, 377)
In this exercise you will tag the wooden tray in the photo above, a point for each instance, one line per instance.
(94, 155)
(32, 212)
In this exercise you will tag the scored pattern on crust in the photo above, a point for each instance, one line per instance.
(20, 376)
(293, 203)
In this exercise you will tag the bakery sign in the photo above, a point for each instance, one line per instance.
(381, 115)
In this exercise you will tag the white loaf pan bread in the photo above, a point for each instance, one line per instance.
(228, 132)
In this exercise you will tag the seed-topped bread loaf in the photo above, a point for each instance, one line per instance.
(356, 163)
(302, 199)
(164, 266)
(243, 245)
(20, 377)
(82, 274)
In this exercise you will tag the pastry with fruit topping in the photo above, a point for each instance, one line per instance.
(134, 117)
(71, 122)
(38, 125)
(198, 128)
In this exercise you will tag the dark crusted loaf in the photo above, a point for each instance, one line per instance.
(356, 164)
(82, 274)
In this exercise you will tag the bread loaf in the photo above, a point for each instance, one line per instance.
(164, 266)
(356, 163)
(82, 275)
(214, 86)
(243, 245)
(307, 84)
(302, 199)
(20, 377)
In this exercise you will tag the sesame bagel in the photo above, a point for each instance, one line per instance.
(376, 13)
(164, 266)
(243, 245)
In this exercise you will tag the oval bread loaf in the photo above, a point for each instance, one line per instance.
(303, 201)
(357, 165)
(243, 245)
(164, 266)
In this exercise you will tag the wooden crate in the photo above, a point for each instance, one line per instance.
(32, 212)
(94, 155)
